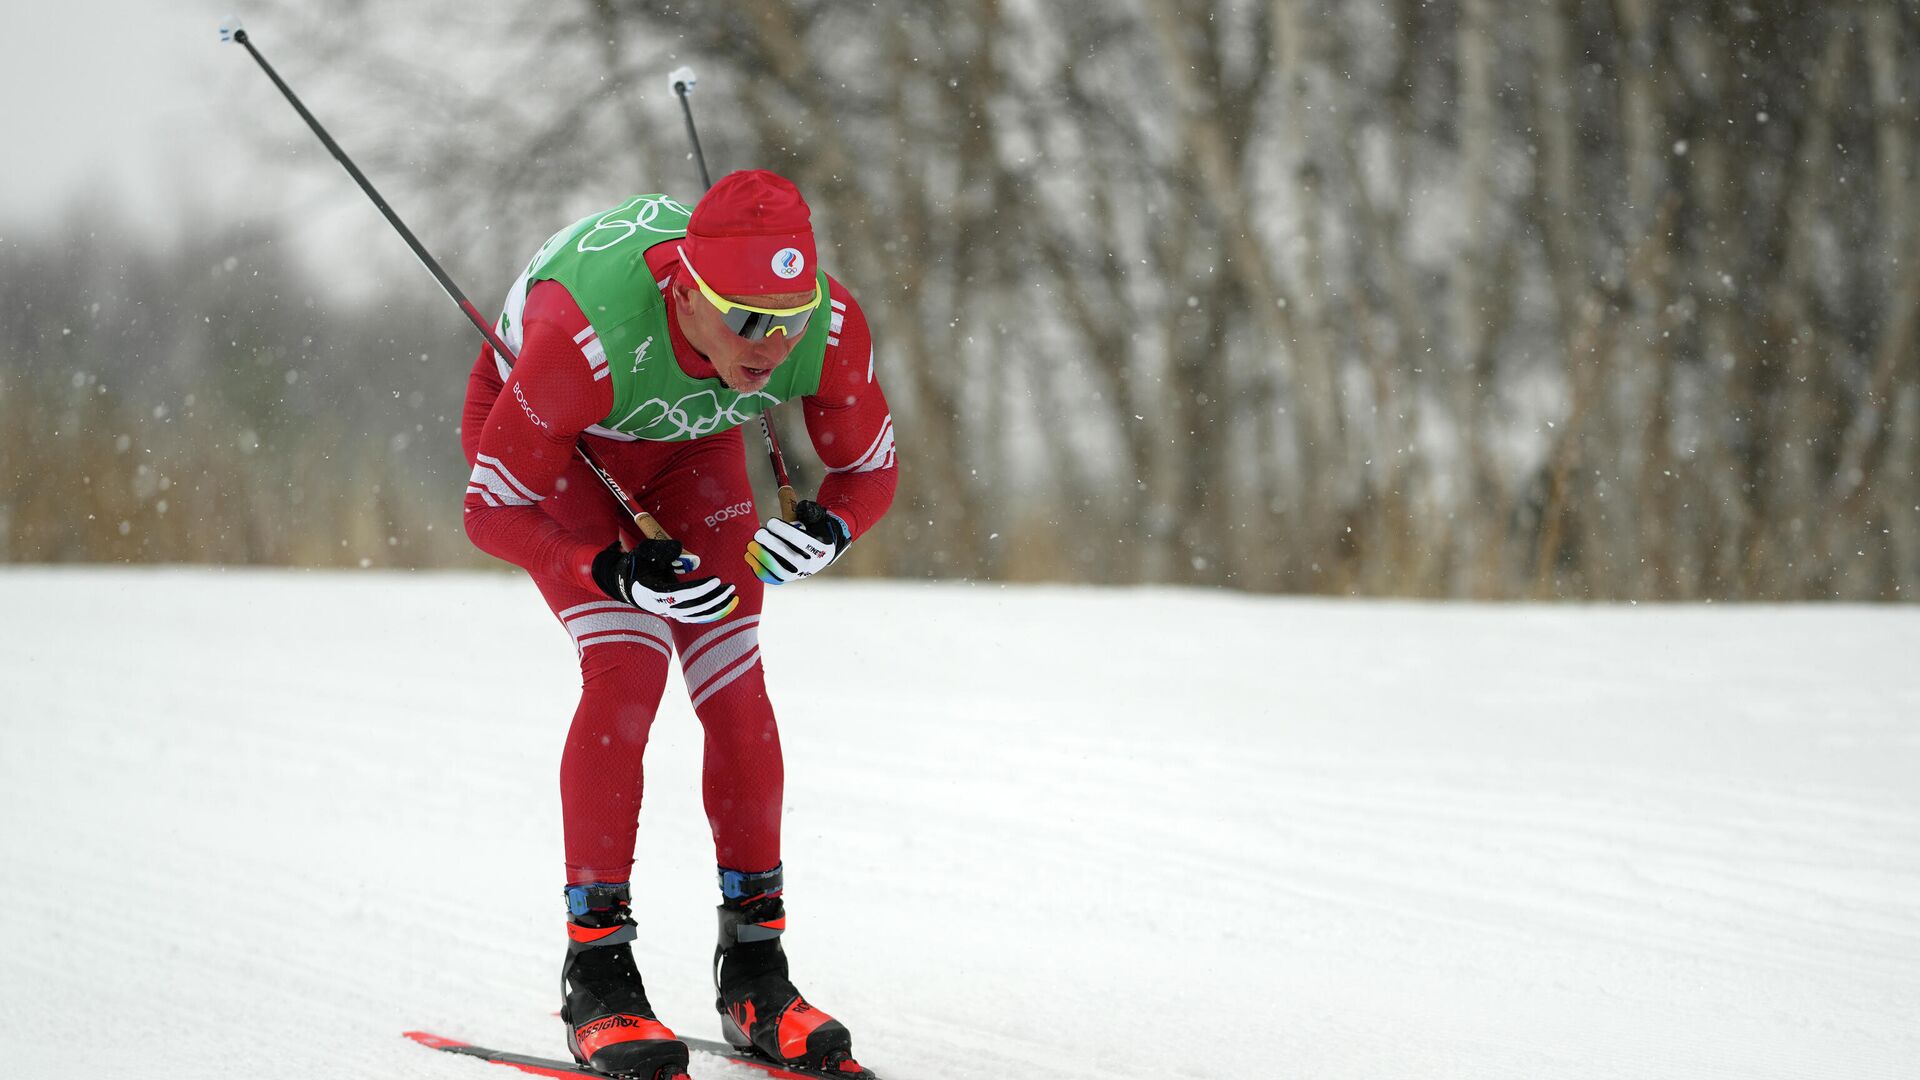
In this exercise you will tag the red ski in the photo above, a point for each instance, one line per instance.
(567, 1070)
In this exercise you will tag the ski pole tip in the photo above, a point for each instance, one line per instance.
(682, 80)
(231, 30)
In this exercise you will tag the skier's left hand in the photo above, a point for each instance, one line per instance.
(784, 551)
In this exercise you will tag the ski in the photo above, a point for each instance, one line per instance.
(536, 1065)
(567, 1070)
(773, 1068)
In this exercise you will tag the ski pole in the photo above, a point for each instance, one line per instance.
(683, 80)
(233, 31)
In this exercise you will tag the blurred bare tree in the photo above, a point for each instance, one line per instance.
(212, 404)
(1492, 298)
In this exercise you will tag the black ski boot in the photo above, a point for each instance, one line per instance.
(610, 1026)
(760, 1011)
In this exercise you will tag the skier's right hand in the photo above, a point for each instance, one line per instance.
(645, 577)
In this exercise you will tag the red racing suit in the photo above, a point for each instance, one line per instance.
(532, 502)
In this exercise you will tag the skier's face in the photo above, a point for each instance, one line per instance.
(745, 366)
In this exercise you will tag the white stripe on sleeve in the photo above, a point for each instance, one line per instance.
(492, 473)
(878, 456)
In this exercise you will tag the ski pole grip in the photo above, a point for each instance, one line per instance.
(789, 499)
(650, 528)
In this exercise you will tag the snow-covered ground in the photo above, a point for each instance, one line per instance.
(255, 824)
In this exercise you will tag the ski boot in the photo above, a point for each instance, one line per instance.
(760, 1011)
(611, 1028)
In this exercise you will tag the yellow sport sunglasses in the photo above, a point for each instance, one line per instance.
(754, 323)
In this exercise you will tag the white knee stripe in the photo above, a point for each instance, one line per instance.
(692, 652)
(598, 623)
(596, 605)
(585, 643)
(746, 664)
(700, 668)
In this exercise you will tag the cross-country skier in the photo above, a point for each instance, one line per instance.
(655, 334)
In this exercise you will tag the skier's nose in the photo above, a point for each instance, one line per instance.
(772, 352)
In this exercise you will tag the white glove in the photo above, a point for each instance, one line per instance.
(784, 551)
(648, 578)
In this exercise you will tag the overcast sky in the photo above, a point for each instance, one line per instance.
(138, 103)
(119, 100)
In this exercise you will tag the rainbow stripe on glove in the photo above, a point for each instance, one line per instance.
(783, 551)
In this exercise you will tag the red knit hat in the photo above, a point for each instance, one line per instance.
(752, 234)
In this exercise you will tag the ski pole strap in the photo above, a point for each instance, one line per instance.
(594, 896)
(741, 887)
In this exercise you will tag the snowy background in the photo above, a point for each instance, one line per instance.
(259, 823)
(1473, 299)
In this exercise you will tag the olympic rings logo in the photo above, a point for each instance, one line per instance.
(692, 417)
(650, 207)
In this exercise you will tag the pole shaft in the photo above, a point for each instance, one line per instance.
(419, 251)
(788, 497)
(642, 520)
(699, 158)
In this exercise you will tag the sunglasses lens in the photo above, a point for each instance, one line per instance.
(755, 325)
